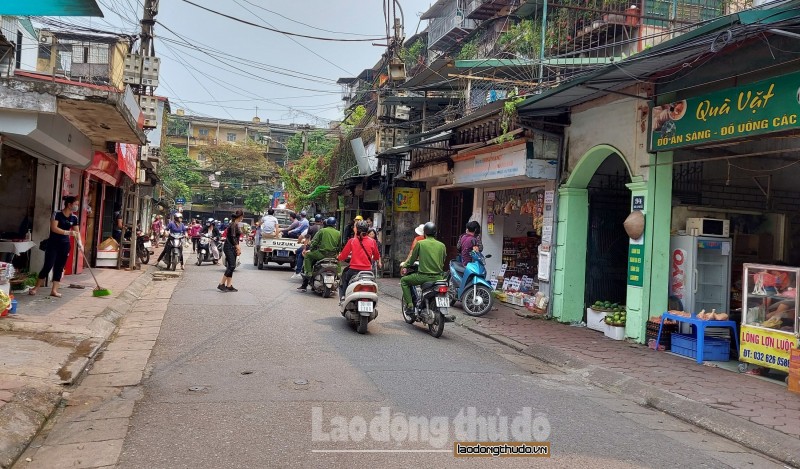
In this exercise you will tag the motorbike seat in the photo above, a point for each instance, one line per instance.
(427, 285)
(457, 266)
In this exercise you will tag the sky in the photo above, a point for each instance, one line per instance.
(215, 66)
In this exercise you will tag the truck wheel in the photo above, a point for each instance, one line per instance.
(260, 263)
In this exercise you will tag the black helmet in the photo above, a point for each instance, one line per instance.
(474, 227)
(362, 227)
(429, 229)
(318, 217)
(331, 221)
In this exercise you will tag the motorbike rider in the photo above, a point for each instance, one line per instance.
(431, 254)
(468, 242)
(363, 251)
(212, 232)
(176, 227)
(325, 244)
(305, 239)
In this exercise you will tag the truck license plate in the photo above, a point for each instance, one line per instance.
(442, 302)
(327, 279)
(283, 254)
(365, 306)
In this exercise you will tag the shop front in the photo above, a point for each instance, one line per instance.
(512, 185)
(734, 218)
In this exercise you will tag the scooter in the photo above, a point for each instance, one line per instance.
(360, 301)
(431, 305)
(469, 285)
(325, 277)
(175, 252)
(142, 247)
(205, 253)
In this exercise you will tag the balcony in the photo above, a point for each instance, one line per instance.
(448, 24)
(485, 9)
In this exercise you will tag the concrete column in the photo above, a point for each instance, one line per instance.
(636, 297)
(569, 278)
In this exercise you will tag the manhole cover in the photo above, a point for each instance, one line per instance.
(247, 372)
(301, 382)
(197, 388)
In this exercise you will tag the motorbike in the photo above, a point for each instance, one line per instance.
(143, 247)
(174, 250)
(325, 277)
(204, 254)
(468, 284)
(430, 307)
(250, 239)
(360, 302)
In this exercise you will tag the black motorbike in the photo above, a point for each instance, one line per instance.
(325, 277)
(174, 250)
(142, 245)
(430, 305)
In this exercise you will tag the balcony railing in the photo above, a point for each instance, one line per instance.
(445, 31)
(485, 9)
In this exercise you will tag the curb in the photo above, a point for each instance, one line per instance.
(31, 407)
(766, 441)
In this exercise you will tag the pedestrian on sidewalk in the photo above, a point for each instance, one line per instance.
(194, 231)
(157, 228)
(231, 250)
(63, 226)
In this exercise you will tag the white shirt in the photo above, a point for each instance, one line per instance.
(268, 224)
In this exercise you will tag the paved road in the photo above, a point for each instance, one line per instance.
(267, 376)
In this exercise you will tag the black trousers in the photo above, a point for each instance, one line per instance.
(55, 258)
(230, 259)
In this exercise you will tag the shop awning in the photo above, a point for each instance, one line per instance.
(104, 167)
(51, 8)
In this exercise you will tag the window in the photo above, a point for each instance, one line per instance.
(19, 49)
(201, 157)
(231, 137)
(202, 132)
(44, 51)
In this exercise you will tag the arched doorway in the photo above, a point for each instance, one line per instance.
(591, 203)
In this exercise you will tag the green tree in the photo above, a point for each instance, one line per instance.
(317, 142)
(411, 54)
(258, 199)
(178, 172)
(353, 120)
(245, 172)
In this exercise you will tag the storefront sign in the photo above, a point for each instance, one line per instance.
(488, 166)
(768, 348)
(127, 155)
(763, 107)
(544, 266)
(638, 202)
(635, 265)
(406, 199)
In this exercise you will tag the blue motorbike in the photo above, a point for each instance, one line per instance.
(469, 285)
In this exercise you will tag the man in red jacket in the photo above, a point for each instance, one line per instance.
(362, 251)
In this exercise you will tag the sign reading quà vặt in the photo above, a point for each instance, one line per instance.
(762, 107)
(765, 347)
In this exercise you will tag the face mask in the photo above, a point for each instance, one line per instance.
(75, 208)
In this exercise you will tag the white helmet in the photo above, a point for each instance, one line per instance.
(178, 215)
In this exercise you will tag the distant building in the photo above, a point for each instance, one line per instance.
(87, 58)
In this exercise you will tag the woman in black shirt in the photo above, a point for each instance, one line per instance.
(231, 250)
(63, 225)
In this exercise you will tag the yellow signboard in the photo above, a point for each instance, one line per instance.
(406, 199)
(764, 347)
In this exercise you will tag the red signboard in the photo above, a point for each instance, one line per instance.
(105, 168)
(127, 154)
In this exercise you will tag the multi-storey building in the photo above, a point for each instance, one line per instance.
(87, 58)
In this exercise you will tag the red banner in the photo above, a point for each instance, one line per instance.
(127, 154)
(105, 168)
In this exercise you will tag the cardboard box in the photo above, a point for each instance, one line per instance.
(110, 244)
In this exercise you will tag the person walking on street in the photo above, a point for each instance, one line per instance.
(63, 226)
(231, 250)
(156, 229)
(325, 244)
(431, 254)
(194, 231)
(363, 251)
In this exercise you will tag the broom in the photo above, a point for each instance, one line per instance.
(97, 291)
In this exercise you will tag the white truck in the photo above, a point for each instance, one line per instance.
(278, 250)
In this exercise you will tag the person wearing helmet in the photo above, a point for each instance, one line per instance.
(468, 242)
(431, 254)
(224, 225)
(305, 239)
(210, 230)
(325, 244)
(363, 251)
(176, 227)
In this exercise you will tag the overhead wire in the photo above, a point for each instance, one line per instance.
(305, 24)
(278, 30)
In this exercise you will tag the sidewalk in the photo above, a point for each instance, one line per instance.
(751, 411)
(47, 345)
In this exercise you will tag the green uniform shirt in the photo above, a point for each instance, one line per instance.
(431, 254)
(326, 241)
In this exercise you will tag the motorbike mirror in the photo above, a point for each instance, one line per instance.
(488, 256)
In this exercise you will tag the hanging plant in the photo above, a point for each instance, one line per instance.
(508, 116)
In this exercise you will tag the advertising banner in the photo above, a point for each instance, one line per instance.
(769, 348)
(759, 108)
(406, 199)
